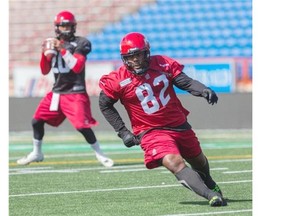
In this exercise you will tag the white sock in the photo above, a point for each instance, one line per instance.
(96, 148)
(107, 162)
(37, 146)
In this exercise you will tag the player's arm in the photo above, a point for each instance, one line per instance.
(195, 87)
(74, 57)
(45, 64)
(45, 61)
(107, 108)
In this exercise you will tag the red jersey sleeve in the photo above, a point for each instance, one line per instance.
(166, 64)
(110, 85)
(45, 65)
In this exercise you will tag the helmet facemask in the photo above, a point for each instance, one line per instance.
(141, 65)
(65, 35)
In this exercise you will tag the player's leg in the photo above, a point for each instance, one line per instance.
(191, 179)
(91, 139)
(192, 152)
(167, 154)
(36, 155)
(201, 165)
(41, 116)
(79, 114)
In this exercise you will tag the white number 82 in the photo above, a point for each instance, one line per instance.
(150, 95)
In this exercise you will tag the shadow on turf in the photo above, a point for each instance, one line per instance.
(205, 202)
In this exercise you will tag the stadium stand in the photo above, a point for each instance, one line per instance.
(31, 21)
(183, 29)
(177, 28)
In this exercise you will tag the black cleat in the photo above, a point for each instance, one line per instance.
(217, 201)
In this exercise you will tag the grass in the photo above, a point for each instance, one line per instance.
(70, 182)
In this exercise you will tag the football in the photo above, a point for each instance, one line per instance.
(49, 49)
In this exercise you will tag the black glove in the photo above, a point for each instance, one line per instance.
(210, 96)
(129, 139)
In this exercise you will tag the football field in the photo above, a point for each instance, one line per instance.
(71, 182)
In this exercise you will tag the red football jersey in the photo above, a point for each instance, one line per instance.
(150, 99)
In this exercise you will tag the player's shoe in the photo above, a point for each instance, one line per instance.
(217, 201)
(105, 161)
(32, 157)
(217, 189)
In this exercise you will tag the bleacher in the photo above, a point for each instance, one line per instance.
(177, 28)
(31, 21)
(183, 29)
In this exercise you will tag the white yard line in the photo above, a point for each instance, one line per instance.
(212, 213)
(114, 189)
(235, 172)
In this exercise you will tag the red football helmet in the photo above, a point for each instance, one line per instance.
(132, 44)
(65, 18)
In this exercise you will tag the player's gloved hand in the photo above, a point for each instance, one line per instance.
(66, 45)
(210, 96)
(129, 139)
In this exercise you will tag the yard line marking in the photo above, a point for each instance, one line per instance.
(30, 168)
(112, 146)
(116, 169)
(233, 172)
(145, 169)
(124, 170)
(212, 159)
(115, 189)
(215, 169)
(212, 213)
(43, 171)
(229, 161)
(36, 170)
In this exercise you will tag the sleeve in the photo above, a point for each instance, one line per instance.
(173, 67)
(107, 108)
(45, 65)
(110, 85)
(176, 68)
(75, 57)
(186, 83)
(84, 47)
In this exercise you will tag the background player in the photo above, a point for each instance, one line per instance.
(144, 85)
(68, 98)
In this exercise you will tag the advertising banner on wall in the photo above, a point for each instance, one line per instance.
(29, 82)
(217, 74)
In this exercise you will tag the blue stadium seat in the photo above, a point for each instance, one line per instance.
(183, 29)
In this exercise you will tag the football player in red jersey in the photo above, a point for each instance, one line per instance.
(68, 98)
(144, 85)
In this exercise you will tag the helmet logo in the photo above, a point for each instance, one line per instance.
(133, 50)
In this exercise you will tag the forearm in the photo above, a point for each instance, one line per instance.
(45, 65)
(186, 83)
(107, 108)
(75, 62)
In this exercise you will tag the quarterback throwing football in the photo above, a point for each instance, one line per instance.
(144, 85)
(65, 55)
